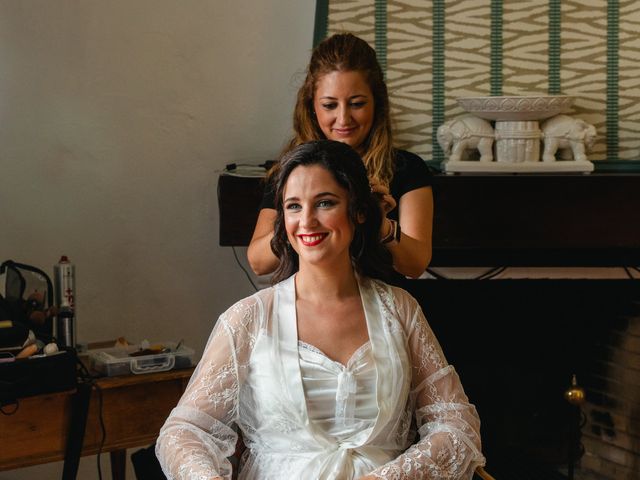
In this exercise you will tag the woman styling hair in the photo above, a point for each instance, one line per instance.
(344, 98)
(324, 372)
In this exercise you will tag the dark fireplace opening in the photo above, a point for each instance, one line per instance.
(516, 345)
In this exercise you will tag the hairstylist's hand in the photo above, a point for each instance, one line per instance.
(387, 202)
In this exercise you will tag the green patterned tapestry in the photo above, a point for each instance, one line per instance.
(436, 51)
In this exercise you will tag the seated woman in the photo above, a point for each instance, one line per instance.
(327, 373)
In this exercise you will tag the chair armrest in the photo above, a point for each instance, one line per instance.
(482, 473)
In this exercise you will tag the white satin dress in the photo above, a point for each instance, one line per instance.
(305, 416)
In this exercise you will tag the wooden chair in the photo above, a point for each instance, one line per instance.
(482, 473)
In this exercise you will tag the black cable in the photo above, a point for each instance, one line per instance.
(491, 273)
(102, 428)
(628, 272)
(488, 274)
(436, 275)
(244, 269)
(83, 372)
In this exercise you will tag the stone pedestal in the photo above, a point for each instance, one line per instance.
(517, 135)
(517, 142)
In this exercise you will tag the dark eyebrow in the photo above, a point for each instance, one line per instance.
(328, 97)
(321, 194)
(324, 194)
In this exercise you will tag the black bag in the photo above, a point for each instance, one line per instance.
(26, 304)
(36, 375)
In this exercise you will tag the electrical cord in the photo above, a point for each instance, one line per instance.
(83, 372)
(630, 271)
(235, 254)
(489, 274)
(103, 430)
(436, 275)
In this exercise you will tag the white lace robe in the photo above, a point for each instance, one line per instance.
(250, 377)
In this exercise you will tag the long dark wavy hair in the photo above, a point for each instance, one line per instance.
(368, 256)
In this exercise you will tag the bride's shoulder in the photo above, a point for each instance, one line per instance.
(249, 312)
(398, 294)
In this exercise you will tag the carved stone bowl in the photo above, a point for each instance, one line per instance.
(516, 108)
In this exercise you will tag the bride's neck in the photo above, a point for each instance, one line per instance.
(324, 285)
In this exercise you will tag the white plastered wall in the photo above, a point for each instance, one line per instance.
(116, 118)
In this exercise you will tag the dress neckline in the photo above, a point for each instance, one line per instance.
(354, 356)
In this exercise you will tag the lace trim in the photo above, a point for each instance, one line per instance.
(354, 356)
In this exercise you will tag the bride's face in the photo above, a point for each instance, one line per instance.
(316, 216)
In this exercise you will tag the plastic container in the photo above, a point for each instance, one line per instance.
(118, 360)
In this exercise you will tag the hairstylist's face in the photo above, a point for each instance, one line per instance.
(316, 217)
(344, 107)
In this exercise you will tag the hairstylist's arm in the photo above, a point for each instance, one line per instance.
(260, 256)
(412, 254)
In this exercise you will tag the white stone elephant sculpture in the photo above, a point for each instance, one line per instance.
(466, 132)
(572, 137)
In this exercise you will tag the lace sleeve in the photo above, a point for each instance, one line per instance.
(449, 426)
(197, 437)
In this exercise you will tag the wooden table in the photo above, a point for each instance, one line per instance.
(134, 407)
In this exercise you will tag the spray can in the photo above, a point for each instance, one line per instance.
(65, 294)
